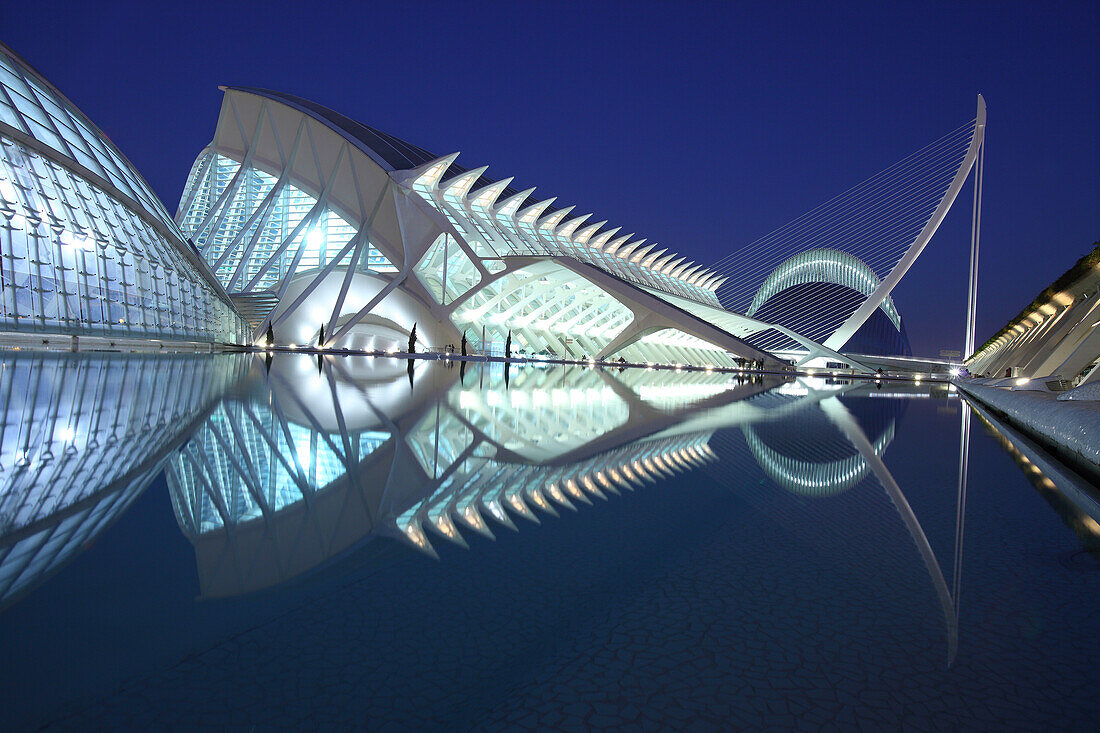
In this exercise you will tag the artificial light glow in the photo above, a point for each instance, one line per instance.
(1022, 381)
(80, 241)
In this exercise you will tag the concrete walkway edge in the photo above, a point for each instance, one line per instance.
(1072, 428)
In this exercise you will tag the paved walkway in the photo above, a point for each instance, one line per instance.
(1072, 428)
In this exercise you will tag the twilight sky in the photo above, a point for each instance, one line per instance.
(700, 125)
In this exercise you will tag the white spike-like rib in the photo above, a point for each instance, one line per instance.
(558, 495)
(496, 511)
(679, 270)
(412, 531)
(718, 283)
(460, 185)
(575, 491)
(442, 523)
(602, 238)
(669, 267)
(706, 281)
(626, 250)
(566, 230)
(640, 253)
(590, 486)
(613, 245)
(514, 501)
(620, 479)
(531, 213)
(429, 174)
(551, 220)
(643, 471)
(689, 274)
(486, 196)
(648, 261)
(510, 205)
(470, 517)
(583, 235)
(535, 494)
(698, 277)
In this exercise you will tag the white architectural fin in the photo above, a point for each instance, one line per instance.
(486, 196)
(585, 234)
(459, 186)
(668, 268)
(718, 283)
(662, 258)
(602, 237)
(687, 273)
(650, 258)
(427, 176)
(510, 205)
(530, 214)
(613, 246)
(551, 220)
(698, 277)
(679, 270)
(566, 230)
(635, 251)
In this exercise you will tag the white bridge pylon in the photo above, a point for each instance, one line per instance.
(864, 240)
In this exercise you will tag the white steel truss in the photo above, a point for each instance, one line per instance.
(332, 233)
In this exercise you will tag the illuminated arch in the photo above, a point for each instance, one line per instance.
(823, 266)
(814, 479)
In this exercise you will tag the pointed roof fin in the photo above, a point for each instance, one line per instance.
(426, 176)
(531, 213)
(510, 205)
(458, 186)
(585, 234)
(486, 196)
(567, 229)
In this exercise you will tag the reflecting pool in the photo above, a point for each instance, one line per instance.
(235, 541)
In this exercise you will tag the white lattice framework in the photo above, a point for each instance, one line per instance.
(319, 222)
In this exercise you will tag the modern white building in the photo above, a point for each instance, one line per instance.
(85, 246)
(327, 231)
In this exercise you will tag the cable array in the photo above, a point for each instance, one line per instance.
(876, 222)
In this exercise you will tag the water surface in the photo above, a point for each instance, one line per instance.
(220, 541)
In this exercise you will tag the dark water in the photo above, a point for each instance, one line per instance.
(212, 542)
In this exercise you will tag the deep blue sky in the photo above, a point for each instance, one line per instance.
(703, 126)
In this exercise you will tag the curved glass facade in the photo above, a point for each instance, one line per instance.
(85, 246)
(257, 231)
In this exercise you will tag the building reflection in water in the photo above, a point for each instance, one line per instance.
(304, 464)
(277, 465)
(80, 437)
